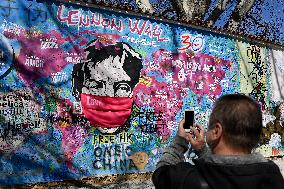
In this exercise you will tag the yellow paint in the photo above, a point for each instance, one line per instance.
(145, 81)
(140, 159)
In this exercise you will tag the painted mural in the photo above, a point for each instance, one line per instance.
(87, 92)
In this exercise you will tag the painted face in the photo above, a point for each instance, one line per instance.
(109, 77)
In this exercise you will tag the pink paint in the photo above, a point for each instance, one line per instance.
(145, 28)
(86, 22)
(135, 28)
(167, 97)
(107, 39)
(72, 135)
(34, 62)
(72, 139)
(73, 14)
(77, 18)
(106, 112)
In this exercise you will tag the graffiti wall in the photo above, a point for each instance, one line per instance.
(86, 92)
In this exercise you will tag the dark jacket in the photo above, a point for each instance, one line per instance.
(250, 171)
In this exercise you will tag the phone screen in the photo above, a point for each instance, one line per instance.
(189, 119)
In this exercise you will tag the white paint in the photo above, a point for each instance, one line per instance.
(275, 140)
(277, 75)
(266, 118)
(145, 6)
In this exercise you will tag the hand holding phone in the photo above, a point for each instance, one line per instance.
(193, 133)
(189, 121)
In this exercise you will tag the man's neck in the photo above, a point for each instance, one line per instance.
(223, 149)
(230, 152)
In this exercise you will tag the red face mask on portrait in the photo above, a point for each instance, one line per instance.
(105, 111)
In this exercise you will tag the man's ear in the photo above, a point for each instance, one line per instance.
(217, 131)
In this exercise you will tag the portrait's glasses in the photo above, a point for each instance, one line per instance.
(117, 89)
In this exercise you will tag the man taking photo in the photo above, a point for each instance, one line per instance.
(233, 132)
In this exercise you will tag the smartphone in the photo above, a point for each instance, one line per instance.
(189, 120)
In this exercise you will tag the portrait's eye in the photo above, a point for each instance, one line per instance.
(122, 90)
(95, 85)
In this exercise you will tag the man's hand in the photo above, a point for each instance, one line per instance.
(181, 131)
(196, 139)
